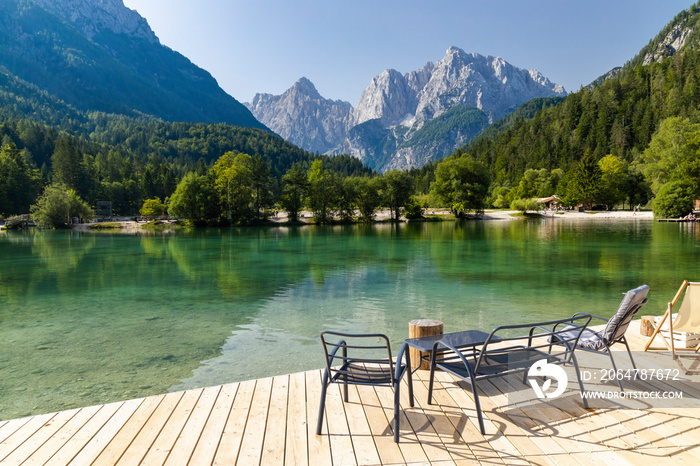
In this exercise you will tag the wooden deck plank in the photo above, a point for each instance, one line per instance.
(254, 434)
(319, 447)
(98, 442)
(380, 428)
(58, 440)
(193, 429)
(85, 434)
(165, 441)
(10, 427)
(20, 435)
(417, 419)
(119, 444)
(38, 438)
(362, 441)
(232, 436)
(143, 441)
(520, 439)
(276, 425)
(342, 451)
(410, 446)
(444, 421)
(296, 449)
(210, 439)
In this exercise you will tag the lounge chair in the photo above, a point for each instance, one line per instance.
(614, 331)
(364, 366)
(535, 345)
(686, 321)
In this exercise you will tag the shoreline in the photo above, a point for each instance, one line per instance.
(130, 226)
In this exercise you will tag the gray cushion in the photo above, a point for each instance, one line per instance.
(617, 325)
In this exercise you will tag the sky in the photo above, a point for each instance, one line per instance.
(265, 46)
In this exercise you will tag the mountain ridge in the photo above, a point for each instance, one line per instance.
(395, 106)
(102, 56)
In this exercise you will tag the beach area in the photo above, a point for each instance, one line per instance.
(127, 224)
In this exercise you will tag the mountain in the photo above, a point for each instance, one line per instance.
(405, 120)
(303, 117)
(99, 55)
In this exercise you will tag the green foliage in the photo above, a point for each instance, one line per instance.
(397, 191)
(195, 198)
(261, 183)
(614, 175)
(413, 209)
(462, 183)
(294, 185)
(672, 152)
(56, 205)
(19, 181)
(323, 193)
(524, 205)
(232, 176)
(153, 208)
(369, 196)
(675, 199)
(584, 185)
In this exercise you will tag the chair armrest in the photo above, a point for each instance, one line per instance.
(469, 369)
(587, 314)
(403, 353)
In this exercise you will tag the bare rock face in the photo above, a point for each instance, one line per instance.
(385, 128)
(92, 16)
(303, 117)
(488, 83)
(673, 42)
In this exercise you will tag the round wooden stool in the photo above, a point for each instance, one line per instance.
(422, 328)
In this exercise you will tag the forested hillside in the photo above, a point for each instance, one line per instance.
(623, 124)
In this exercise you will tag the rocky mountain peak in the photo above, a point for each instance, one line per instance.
(92, 16)
(302, 116)
(306, 87)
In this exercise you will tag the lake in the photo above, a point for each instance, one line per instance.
(90, 318)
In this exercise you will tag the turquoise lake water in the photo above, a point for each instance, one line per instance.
(90, 318)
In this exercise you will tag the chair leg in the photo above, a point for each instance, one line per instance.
(619, 379)
(397, 407)
(432, 377)
(624, 340)
(345, 392)
(580, 383)
(478, 408)
(319, 425)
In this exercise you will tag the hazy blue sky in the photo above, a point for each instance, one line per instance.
(266, 46)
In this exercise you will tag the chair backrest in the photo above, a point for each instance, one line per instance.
(688, 318)
(371, 351)
(515, 348)
(630, 305)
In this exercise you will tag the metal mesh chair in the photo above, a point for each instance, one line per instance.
(364, 359)
(511, 349)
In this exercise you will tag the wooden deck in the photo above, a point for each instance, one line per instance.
(272, 421)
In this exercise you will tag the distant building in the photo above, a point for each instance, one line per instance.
(550, 202)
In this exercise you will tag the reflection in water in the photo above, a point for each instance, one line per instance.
(92, 318)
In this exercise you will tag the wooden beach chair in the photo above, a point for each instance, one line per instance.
(687, 320)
